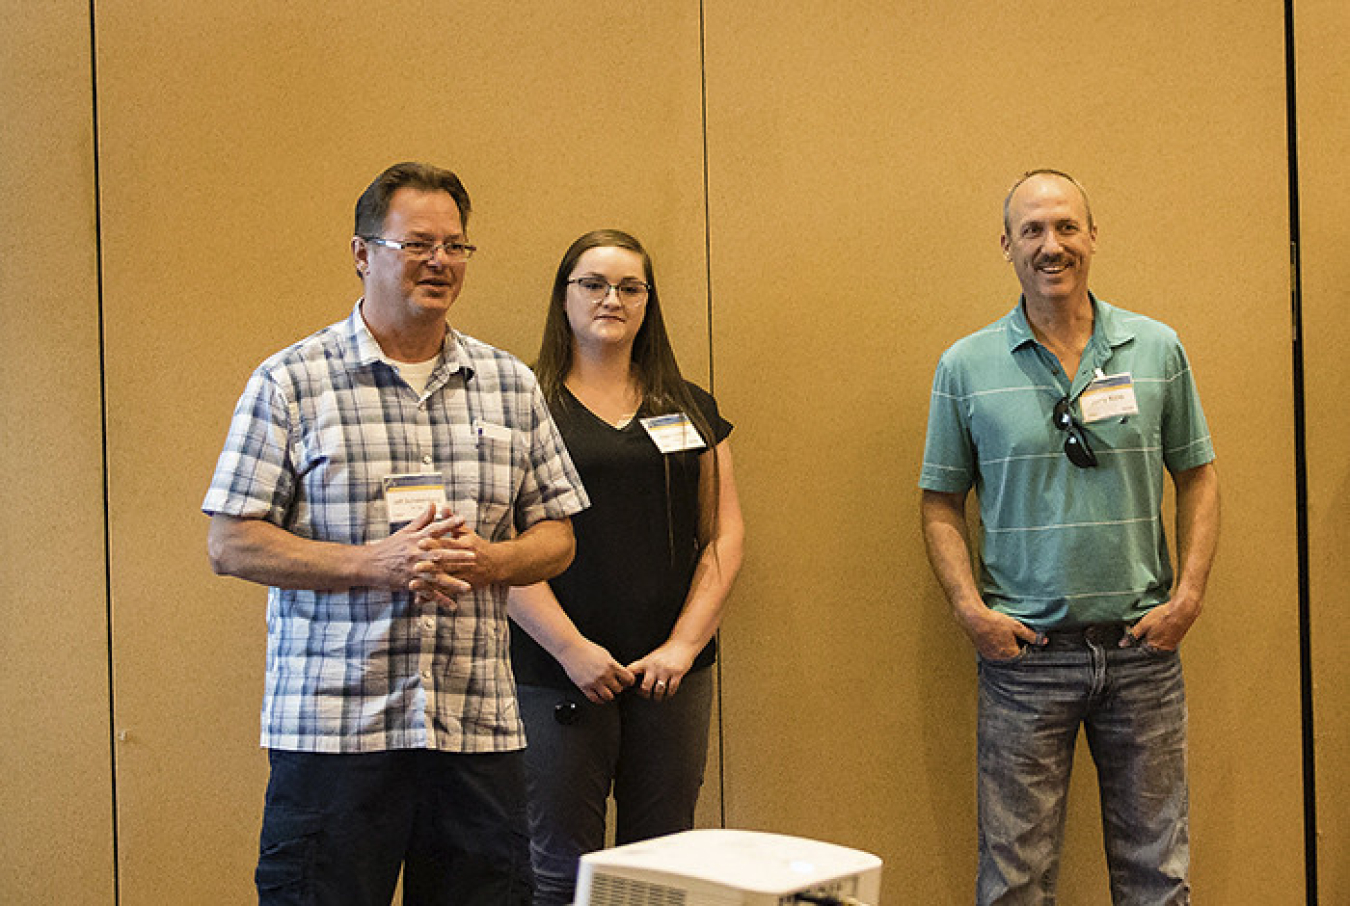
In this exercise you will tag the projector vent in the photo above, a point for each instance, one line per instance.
(607, 890)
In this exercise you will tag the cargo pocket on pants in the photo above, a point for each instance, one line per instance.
(289, 845)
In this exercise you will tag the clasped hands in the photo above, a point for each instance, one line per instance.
(602, 679)
(437, 557)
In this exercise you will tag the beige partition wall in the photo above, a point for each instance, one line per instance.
(56, 788)
(235, 140)
(1323, 28)
(858, 156)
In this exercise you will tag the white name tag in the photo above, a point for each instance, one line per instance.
(1109, 396)
(407, 496)
(673, 433)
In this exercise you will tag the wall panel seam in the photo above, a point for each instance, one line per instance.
(103, 440)
(1300, 467)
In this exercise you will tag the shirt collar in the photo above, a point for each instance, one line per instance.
(1108, 327)
(361, 344)
(365, 349)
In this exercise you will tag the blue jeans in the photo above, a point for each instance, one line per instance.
(652, 754)
(1131, 704)
(337, 829)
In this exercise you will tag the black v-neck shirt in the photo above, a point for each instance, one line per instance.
(637, 545)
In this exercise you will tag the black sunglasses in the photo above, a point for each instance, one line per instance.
(1075, 441)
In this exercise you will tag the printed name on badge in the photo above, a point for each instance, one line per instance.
(673, 433)
(1109, 396)
(407, 495)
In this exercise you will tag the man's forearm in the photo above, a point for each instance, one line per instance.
(258, 551)
(1197, 527)
(944, 534)
(535, 555)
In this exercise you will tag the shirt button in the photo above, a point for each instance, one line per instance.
(427, 459)
(428, 623)
(426, 675)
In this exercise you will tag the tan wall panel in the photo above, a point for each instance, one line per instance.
(236, 140)
(56, 792)
(1323, 30)
(857, 164)
(857, 160)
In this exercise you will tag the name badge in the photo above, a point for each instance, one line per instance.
(673, 433)
(1109, 396)
(407, 495)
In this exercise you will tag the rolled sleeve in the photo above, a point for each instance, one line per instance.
(551, 487)
(254, 476)
(948, 453)
(1186, 439)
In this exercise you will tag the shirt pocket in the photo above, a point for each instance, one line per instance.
(485, 477)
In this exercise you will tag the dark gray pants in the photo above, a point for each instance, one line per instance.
(651, 753)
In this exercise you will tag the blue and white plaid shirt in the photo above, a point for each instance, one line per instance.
(318, 427)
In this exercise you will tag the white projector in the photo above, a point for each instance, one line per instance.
(727, 868)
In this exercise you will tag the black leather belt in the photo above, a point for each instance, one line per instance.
(1101, 635)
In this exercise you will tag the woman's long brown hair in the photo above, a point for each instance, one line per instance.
(653, 360)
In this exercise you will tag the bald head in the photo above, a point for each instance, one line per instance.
(1039, 174)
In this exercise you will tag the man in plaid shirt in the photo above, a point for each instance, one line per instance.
(389, 478)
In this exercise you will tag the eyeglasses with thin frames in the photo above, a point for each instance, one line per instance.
(425, 251)
(596, 289)
(1075, 441)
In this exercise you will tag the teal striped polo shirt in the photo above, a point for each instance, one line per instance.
(1061, 546)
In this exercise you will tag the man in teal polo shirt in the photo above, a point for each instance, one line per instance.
(1064, 416)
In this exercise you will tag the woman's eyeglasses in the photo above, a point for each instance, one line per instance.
(595, 289)
(1075, 441)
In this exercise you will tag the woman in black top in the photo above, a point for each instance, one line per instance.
(612, 656)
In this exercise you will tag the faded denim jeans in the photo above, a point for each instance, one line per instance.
(1131, 704)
